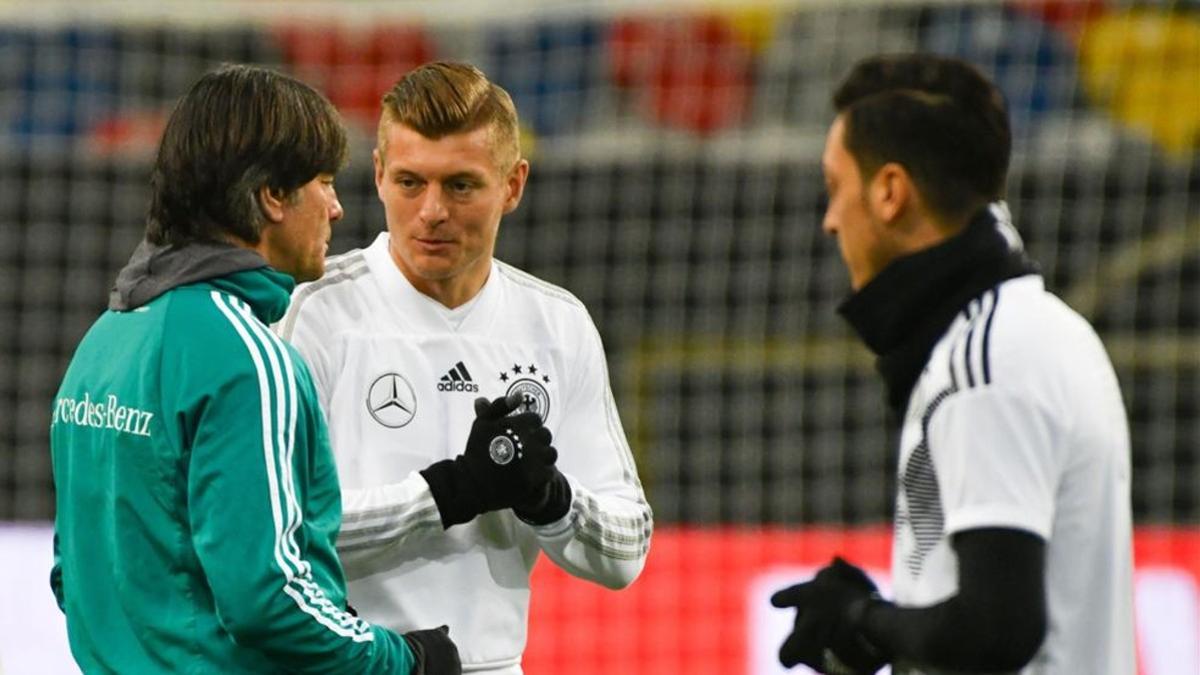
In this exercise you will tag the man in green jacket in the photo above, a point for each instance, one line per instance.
(198, 501)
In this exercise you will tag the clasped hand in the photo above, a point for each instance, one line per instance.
(509, 457)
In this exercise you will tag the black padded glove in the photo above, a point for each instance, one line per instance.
(434, 652)
(508, 461)
(829, 608)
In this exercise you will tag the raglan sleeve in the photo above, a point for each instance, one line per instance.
(260, 516)
(998, 450)
(605, 535)
(376, 518)
(309, 325)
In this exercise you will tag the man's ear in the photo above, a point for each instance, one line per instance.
(271, 201)
(377, 162)
(890, 192)
(516, 185)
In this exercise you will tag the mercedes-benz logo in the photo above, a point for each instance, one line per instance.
(391, 400)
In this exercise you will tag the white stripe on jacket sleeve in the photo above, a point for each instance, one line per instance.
(278, 445)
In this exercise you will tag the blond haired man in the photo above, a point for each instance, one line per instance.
(404, 334)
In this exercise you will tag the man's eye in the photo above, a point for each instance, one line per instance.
(462, 186)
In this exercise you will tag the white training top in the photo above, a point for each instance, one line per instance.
(397, 374)
(1017, 422)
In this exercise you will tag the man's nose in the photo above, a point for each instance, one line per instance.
(433, 205)
(335, 210)
(828, 226)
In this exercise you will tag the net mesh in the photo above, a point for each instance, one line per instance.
(676, 190)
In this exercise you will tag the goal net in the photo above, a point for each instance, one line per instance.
(676, 190)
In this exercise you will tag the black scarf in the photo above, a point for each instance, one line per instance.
(903, 312)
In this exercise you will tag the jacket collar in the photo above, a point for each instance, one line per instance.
(153, 270)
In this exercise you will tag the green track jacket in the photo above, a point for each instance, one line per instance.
(197, 496)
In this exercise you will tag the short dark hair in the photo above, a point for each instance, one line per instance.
(237, 129)
(937, 116)
(446, 97)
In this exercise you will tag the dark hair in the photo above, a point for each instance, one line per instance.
(442, 98)
(236, 130)
(937, 116)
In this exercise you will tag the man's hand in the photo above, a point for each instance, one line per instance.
(508, 456)
(433, 651)
(508, 462)
(826, 636)
(548, 506)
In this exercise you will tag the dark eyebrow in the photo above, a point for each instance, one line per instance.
(469, 175)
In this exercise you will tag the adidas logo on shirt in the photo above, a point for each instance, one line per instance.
(458, 379)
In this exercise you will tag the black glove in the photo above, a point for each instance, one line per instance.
(826, 636)
(508, 461)
(551, 504)
(433, 651)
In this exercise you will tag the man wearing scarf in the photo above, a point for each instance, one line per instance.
(1013, 533)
